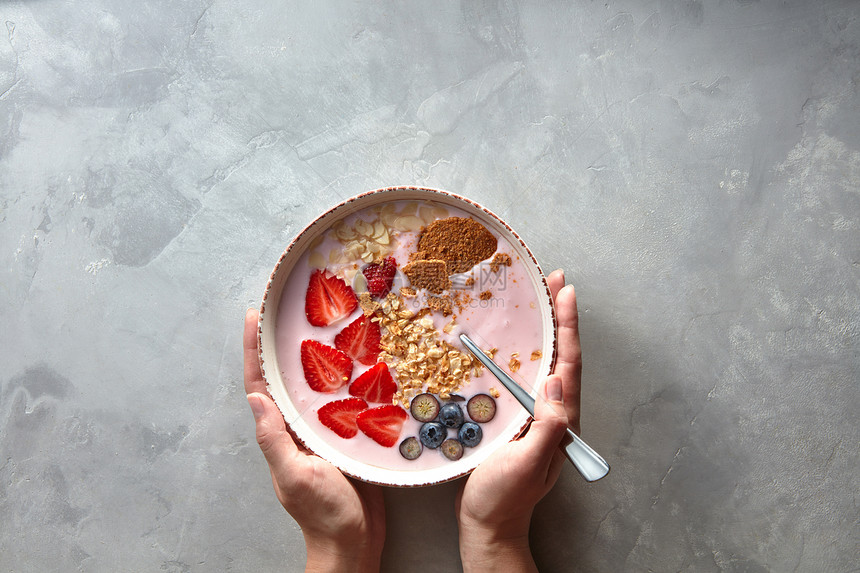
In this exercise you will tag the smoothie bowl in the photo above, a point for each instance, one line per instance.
(359, 331)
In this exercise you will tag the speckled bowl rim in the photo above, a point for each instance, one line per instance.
(354, 468)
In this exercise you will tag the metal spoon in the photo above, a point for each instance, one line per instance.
(586, 460)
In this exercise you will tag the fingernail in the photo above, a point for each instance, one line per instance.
(552, 389)
(256, 406)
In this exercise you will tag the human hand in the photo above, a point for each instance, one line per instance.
(342, 520)
(495, 504)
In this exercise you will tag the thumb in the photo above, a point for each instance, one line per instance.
(547, 430)
(272, 436)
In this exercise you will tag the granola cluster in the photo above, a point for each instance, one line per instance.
(413, 350)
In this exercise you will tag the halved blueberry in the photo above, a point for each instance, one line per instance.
(451, 415)
(470, 434)
(411, 448)
(452, 449)
(424, 407)
(481, 408)
(432, 434)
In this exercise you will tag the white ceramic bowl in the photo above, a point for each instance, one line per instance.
(276, 384)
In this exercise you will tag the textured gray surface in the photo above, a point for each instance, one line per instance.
(695, 166)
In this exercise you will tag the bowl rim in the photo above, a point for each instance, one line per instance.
(339, 206)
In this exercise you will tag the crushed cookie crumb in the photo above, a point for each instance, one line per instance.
(536, 355)
(486, 295)
(418, 256)
(499, 261)
(461, 242)
(461, 299)
(514, 363)
(442, 304)
(431, 274)
(470, 281)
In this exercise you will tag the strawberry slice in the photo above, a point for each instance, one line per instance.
(339, 416)
(375, 385)
(360, 340)
(328, 299)
(382, 424)
(326, 369)
(380, 276)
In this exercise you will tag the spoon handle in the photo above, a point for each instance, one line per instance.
(581, 455)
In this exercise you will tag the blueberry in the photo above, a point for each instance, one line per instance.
(451, 415)
(452, 449)
(481, 408)
(410, 448)
(470, 434)
(432, 434)
(424, 407)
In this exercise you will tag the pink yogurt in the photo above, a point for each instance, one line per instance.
(510, 321)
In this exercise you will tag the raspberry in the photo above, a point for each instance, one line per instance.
(380, 276)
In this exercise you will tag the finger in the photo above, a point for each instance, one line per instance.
(272, 436)
(253, 376)
(555, 281)
(547, 430)
(555, 467)
(569, 362)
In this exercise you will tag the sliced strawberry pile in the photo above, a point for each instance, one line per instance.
(360, 340)
(326, 369)
(328, 299)
(382, 424)
(339, 416)
(380, 276)
(375, 385)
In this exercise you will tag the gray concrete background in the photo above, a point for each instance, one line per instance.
(694, 166)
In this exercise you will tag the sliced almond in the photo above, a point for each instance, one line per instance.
(440, 212)
(408, 223)
(378, 229)
(345, 233)
(410, 208)
(426, 214)
(363, 228)
(389, 218)
(316, 260)
(383, 239)
(353, 250)
(359, 283)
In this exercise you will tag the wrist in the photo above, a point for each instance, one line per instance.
(504, 546)
(327, 555)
